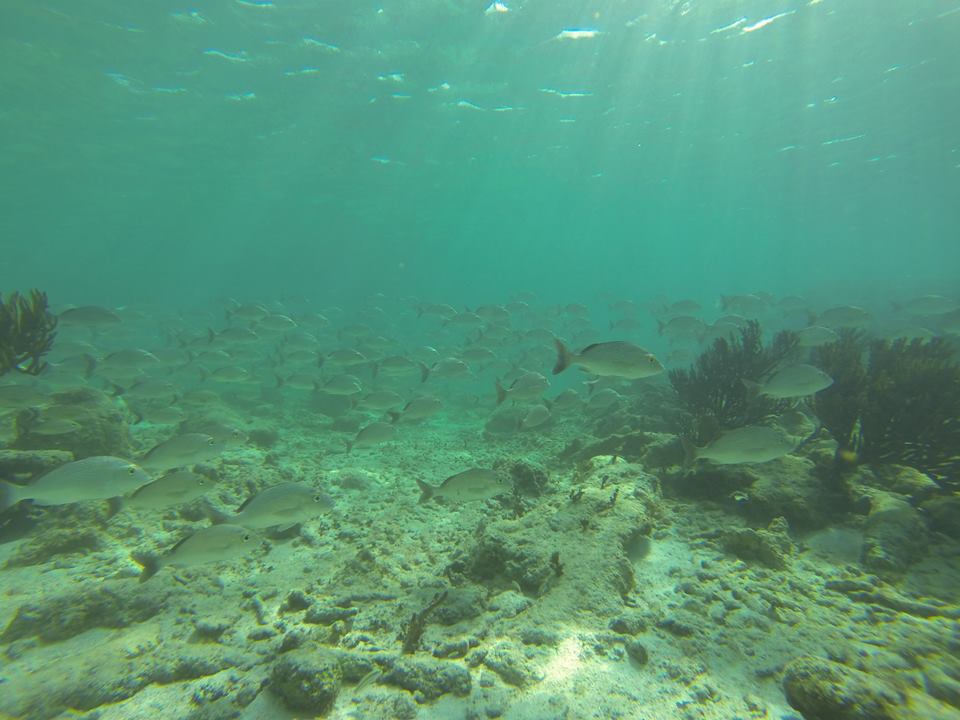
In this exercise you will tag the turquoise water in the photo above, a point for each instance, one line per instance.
(447, 359)
(330, 149)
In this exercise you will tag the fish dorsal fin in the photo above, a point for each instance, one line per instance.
(590, 347)
(245, 503)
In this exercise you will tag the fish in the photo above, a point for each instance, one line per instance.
(342, 385)
(372, 435)
(569, 399)
(603, 399)
(231, 374)
(346, 357)
(750, 444)
(15, 396)
(381, 400)
(283, 504)
(180, 450)
(467, 486)
(52, 426)
(249, 313)
(844, 316)
(682, 327)
(816, 336)
(89, 315)
(150, 390)
(131, 359)
(277, 323)
(93, 478)
(298, 381)
(749, 305)
(216, 543)
(615, 359)
(445, 368)
(792, 381)
(534, 417)
(420, 408)
(398, 366)
(929, 305)
(174, 488)
(529, 386)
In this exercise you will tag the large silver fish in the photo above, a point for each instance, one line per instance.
(751, 444)
(93, 478)
(283, 504)
(617, 359)
(466, 486)
(181, 450)
(217, 543)
(174, 488)
(792, 381)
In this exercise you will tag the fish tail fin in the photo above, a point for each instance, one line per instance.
(374, 370)
(394, 415)
(753, 388)
(280, 380)
(424, 372)
(90, 363)
(349, 444)
(216, 517)
(149, 563)
(8, 495)
(426, 491)
(689, 451)
(660, 326)
(211, 335)
(564, 358)
(501, 392)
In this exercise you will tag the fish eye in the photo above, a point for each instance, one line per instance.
(316, 498)
(131, 470)
(246, 537)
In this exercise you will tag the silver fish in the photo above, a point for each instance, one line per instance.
(534, 417)
(528, 386)
(283, 504)
(180, 450)
(751, 444)
(793, 381)
(89, 315)
(844, 316)
(372, 435)
(816, 335)
(217, 543)
(175, 488)
(617, 359)
(466, 486)
(93, 478)
(419, 408)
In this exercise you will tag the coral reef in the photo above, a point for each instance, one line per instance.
(903, 407)
(27, 331)
(839, 406)
(713, 393)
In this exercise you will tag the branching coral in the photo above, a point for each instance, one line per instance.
(839, 406)
(713, 391)
(27, 331)
(902, 407)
